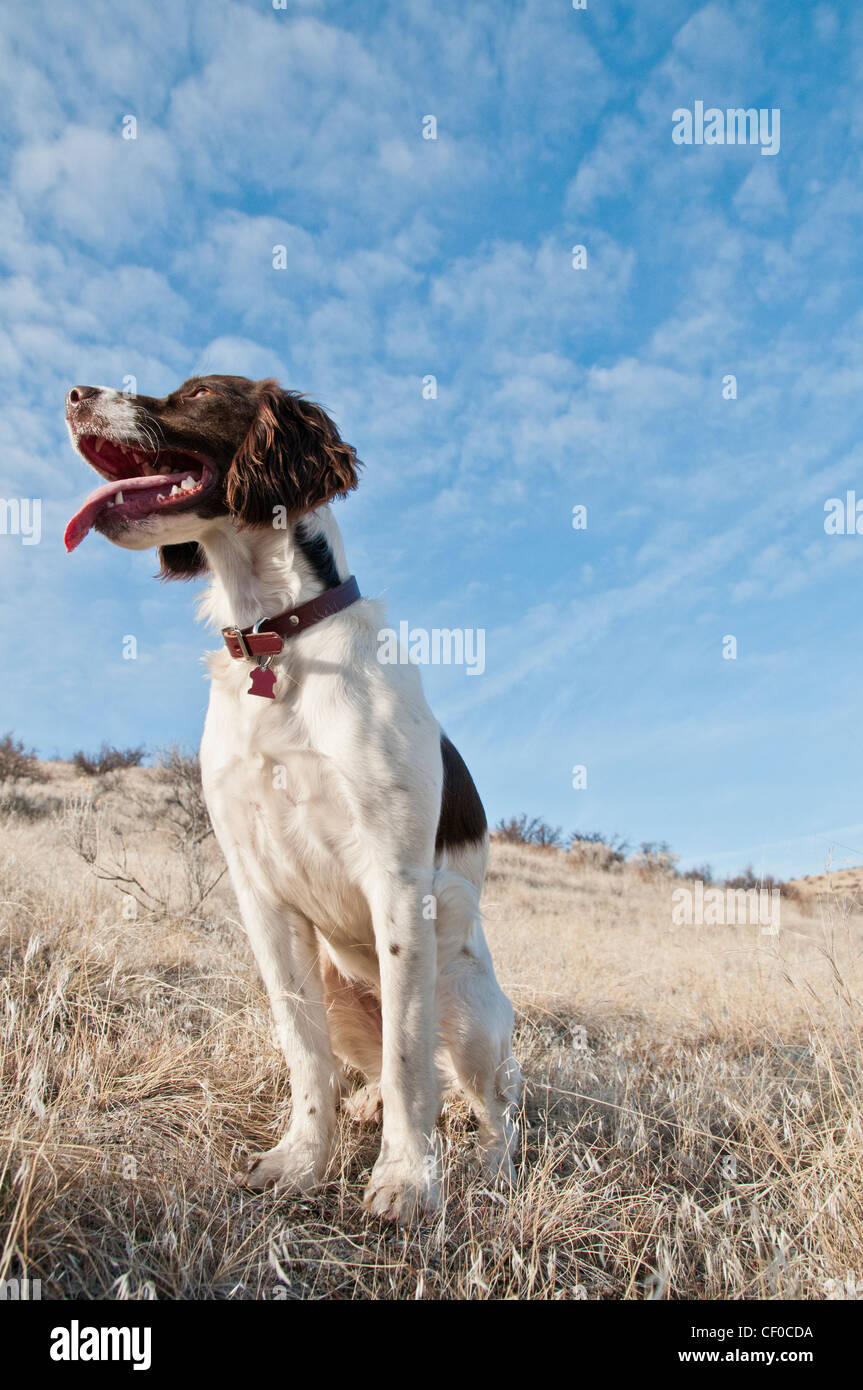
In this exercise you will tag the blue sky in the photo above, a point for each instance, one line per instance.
(556, 387)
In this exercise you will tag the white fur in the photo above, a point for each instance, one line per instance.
(117, 416)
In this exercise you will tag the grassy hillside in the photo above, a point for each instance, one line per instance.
(692, 1128)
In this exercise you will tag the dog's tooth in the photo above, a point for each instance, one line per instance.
(118, 496)
(188, 484)
(160, 497)
(98, 445)
(175, 491)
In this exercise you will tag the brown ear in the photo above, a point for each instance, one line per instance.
(292, 457)
(184, 561)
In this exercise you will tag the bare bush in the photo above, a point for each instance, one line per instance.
(749, 880)
(22, 804)
(170, 803)
(593, 854)
(590, 848)
(188, 821)
(524, 830)
(656, 857)
(104, 849)
(20, 770)
(108, 759)
(19, 764)
(185, 808)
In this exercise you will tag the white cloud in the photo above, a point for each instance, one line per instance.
(233, 356)
(760, 195)
(104, 190)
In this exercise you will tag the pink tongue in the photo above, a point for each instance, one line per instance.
(83, 519)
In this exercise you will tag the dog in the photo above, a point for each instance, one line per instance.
(353, 832)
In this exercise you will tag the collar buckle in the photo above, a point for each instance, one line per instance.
(240, 636)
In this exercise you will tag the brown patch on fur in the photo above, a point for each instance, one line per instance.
(353, 1018)
(462, 818)
(293, 456)
(394, 949)
(185, 561)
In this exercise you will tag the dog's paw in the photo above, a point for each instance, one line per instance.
(364, 1105)
(497, 1166)
(294, 1165)
(498, 1149)
(403, 1190)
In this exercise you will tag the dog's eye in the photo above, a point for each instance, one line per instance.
(199, 391)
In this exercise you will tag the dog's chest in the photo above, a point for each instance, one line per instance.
(277, 804)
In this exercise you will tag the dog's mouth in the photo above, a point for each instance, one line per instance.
(141, 483)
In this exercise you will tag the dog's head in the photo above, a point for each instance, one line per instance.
(217, 447)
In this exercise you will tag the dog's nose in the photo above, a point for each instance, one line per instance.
(81, 393)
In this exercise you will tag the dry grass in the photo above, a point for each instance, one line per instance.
(693, 1127)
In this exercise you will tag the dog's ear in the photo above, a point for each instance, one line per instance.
(292, 457)
(184, 561)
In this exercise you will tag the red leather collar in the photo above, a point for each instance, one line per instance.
(268, 637)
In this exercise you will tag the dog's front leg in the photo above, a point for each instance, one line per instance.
(286, 952)
(406, 1176)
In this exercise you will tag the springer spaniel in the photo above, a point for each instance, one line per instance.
(354, 835)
